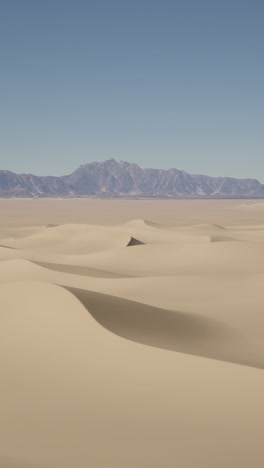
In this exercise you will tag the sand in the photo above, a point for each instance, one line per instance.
(132, 333)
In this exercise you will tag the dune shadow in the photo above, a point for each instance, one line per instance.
(214, 238)
(172, 330)
(80, 270)
(134, 241)
(7, 247)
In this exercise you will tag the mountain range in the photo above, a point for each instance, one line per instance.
(111, 179)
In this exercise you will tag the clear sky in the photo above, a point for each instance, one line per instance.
(162, 83)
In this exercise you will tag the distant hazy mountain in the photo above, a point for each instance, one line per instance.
(113, 179)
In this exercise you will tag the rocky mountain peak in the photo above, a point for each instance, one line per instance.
(122, 179)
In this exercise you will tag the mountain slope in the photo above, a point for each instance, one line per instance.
(121, 179)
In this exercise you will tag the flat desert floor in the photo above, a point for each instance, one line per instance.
(131, 333)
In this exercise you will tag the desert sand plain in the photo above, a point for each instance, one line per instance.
(132, 333)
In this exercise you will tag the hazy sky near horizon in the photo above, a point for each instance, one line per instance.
(162, 83)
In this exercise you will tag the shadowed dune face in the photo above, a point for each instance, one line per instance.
(83, 271)
(6, 247)
(173, 330)
(134, 241)
(131, 343)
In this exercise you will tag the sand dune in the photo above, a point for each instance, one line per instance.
(176, 259)
(132, 343)
(227, 330)
(173, 330)
(167, 259)
(70, 241)
(75, 387)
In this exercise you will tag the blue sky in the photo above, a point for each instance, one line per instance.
(162, 83)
